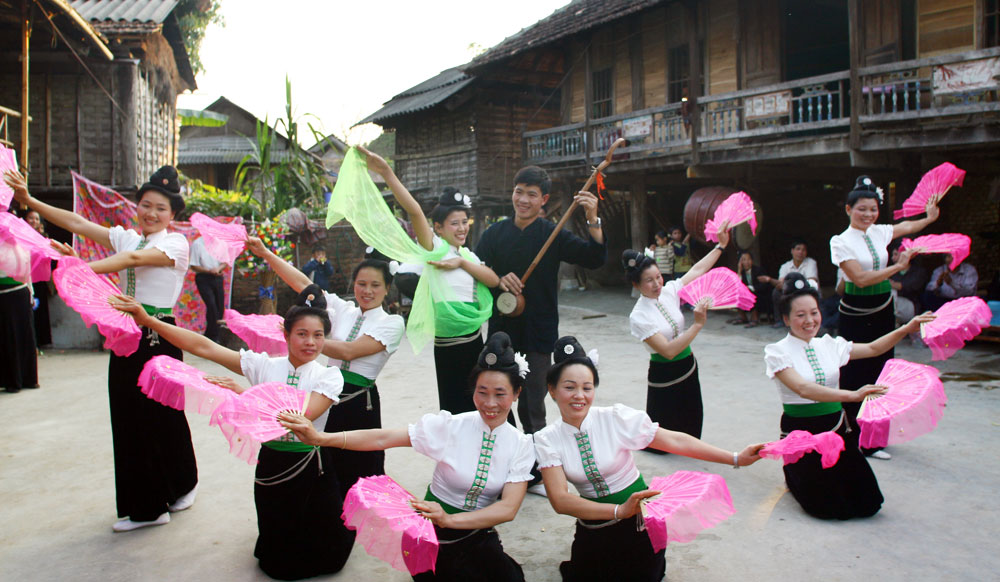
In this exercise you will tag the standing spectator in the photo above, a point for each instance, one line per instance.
(42, 290)
(801, 263)
(682, 252)
(946, 284)
(907, 285)
(317, 269)
(208, 279)
(663, 254)
(18, 357)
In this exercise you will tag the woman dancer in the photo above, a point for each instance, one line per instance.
(155, 470)
(806, 370)
(673, 398)
(459, 316)
(361, 339)
(592, 448)
(18, 357)
(299, 530)
(482, 473)
(866, 309)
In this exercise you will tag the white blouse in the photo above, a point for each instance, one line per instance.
(646, 318)
(156, 286)
(851, 244)
(376, 323)
(612, 433)
(463, 284)
(808, 269)
(200, 257)
(830, 354)
(473, 462)
(309, 377)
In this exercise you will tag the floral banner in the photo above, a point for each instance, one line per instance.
(102, 205)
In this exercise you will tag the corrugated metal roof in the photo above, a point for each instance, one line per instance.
(575, 17)
(143, 11)
(423, 96)
(221, 149)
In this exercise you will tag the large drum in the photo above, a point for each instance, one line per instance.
(701, 207)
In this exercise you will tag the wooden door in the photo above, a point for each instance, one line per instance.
(880, 31)
(761, 40)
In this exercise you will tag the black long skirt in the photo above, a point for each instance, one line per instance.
(479, 556)
(845, 490)
(615, 552)
(453, 364)
(678, 406)
(18, 358)
(154, 458)
(299, 530)
(355, 414)
(43, 327)
(863, 329)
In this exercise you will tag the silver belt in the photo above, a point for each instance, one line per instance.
(852, 311)
(694, 366)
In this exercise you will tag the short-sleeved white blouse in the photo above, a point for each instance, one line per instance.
(156, 286)
(851, 245)
(385, 328)
(831, 354)
(646, 319)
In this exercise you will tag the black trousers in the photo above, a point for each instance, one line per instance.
(863, 329)
(614, 552)
(18, 358)
(212, 292)
(452, 365)
(678, 406)
(354, 414)
(154, 459)
(479, 556)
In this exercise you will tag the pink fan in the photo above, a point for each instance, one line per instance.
(263, 333)
(178, 385)
(735, 209)
(956, 245)
(388, 527)
(911, 407)
(690, 501)
(957, 322)
(225, 242)
(799, 442)
(240, 445)
(8, 163)
(935, 182)
(15, 232)
(254, 413)
(722, 286)
(88, 294)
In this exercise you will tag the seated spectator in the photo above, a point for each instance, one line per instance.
(801, 263)
(663, 254)
(907, 286)
(318, 269)
(946, 284)
(750, 276)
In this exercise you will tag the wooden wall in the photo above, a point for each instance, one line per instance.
(654, 57)
(945, 26)
(435, 149)
(723, 41)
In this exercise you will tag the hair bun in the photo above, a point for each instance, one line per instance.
(498, 353)
(795, 283)
(452, 197)
(631, 258)
(865, 184)
(566, 348)
(311, 296)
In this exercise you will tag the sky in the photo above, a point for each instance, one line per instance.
(344, 58)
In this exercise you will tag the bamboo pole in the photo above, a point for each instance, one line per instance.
(25, 46)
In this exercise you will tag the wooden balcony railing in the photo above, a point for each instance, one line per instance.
(6, 113)
(957, 84)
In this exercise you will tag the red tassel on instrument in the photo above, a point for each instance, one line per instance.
(600, 185)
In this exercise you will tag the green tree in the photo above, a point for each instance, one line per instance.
(193, 17)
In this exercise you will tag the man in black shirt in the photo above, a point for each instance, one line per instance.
(508, 247)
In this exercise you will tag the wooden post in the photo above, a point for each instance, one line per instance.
(25, 81)
(854, 41)
(635, 62)
(694, 76)
(638, 213)
(124, 78)
(588, 90)
(47, 169)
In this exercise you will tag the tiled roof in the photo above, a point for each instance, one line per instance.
(221, 149)
(423, 96)
(152, 12)
(575, 17)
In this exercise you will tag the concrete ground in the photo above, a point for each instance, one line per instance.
(938, 521)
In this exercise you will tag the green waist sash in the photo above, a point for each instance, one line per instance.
(288, 446)
(356, 379)
(815, 409)
(449, 509)
(9, 281)
(876, 289)
(623, 495)
(158, 312)
(655, 357)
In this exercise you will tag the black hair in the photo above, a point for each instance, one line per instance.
(662, 234)
(864, 187)
(318, 249)
(164, 181)
(176, 201)
(450, 201)
(376, 264)
(676, 227)
(798, 241)
(795, 286)
(310, 302)
(534, 176)
(634, 264)
(497, 356)
(566, 352)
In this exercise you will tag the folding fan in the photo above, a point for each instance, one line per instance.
(173, 383)
(225, 242)
(735, 209)
(722, 287)
(799, 442)
(936, 182)
(88, 294)
(957, 322)
(689, 501)
(956, 245)
(15, 232)
(912, 405)
(263, 333)
(8, 163)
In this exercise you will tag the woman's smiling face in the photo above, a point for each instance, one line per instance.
(154, 212)
(493, 397)
(574, 393)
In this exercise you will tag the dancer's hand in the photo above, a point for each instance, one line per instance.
(723, 234)
(63, 248)
(375, 162)
(301, 426)
(932, 209)
(701, 310)
(749, 455)
(17, 182)
(448, 264)
(631, 506)
(130, 306)
(256, 246)
(905, 256)
(868, 390)
(432, 510)
(914, 324)
(225, 382)
(512, 283)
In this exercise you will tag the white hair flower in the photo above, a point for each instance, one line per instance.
(393, 267)
(881, 195)
(466, 201)
(522, 364)
(593, 355)
(369, 250)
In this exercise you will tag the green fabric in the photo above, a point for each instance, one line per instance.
(655, 357)
(817, 409)
(436, 310)
(623, 495)
(447, 508)
(150, 310)
(876, 289)
(288, 446)
(9, 281)
(356, 379)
